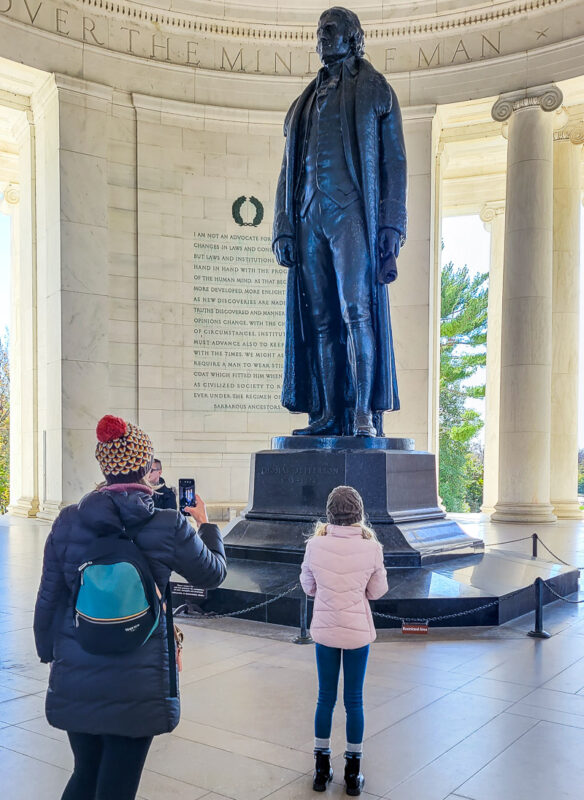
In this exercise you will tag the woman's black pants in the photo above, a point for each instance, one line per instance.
(106, 767)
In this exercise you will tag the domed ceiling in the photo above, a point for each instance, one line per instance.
(306, 12)
(437, 51)
(499, 27)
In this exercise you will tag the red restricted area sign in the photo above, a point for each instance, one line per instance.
(414, 627)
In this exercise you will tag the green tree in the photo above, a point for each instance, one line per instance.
(475, 470)
(463, 335)
(581, 471)
(4, 423)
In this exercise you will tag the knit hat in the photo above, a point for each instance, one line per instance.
(124, 451)
(344, 506)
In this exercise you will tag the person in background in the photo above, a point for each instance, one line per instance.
(342, 569)
(163, 495)
(111, 706)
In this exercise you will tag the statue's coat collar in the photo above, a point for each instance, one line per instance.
(350, 64)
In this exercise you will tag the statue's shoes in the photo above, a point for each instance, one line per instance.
(363, 425)
(321, 427)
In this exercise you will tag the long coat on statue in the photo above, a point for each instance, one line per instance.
(375, 154)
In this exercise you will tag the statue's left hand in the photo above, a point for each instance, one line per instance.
(389, 247)
(285, 251)
(388, 242)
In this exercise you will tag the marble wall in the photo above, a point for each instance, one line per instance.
(193, 162)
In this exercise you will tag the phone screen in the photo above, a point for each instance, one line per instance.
(186, 494)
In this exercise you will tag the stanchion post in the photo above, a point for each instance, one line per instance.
(538, 632)
(534, 545)
(304, 637)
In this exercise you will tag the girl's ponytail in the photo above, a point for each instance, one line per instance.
(366, 531)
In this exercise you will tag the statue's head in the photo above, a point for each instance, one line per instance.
(339, 35)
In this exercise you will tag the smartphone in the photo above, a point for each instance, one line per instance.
(186, 494)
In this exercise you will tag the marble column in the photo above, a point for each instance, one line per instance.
(493, 216)
(415, 296)
(22, 499)
(526, 325)
(565, 319)
(72, 121)
(24, 484)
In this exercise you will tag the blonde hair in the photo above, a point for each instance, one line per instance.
(366, 531)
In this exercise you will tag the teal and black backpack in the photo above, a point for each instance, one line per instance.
(117, 603)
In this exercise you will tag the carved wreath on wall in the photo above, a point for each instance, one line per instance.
(237, 207)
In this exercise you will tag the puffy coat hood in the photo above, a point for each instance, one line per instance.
(342, 570)
(107, 512)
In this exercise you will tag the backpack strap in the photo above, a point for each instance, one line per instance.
(167, 605)
(171, 643)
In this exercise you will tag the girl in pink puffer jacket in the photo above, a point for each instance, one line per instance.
(342, 569)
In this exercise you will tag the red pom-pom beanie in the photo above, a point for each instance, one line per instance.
(124, 451)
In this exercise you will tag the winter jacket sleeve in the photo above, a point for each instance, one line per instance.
(306, 577)
(51, 596)
(377, 585)
(199, 558)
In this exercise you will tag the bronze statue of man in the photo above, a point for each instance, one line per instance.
(339, 222)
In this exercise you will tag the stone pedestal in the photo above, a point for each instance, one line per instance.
(290, 484)
(456, 582)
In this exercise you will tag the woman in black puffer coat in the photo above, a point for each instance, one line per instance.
(112, 705)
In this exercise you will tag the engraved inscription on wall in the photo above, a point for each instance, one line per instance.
(457, 37)
(238, 342)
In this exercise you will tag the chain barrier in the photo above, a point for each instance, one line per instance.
(442, 617)
(561, 597)
(557, 558)
(536, 538)
(509, 541)
(247, 609)
(424, 620)
(542, 543)
(477, 609)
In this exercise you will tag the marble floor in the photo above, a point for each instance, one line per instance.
(482, 714)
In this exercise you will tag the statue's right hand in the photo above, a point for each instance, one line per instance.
(285, 251)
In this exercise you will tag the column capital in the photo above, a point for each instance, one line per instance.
(572, 132)
(548, 98)
(491, 210)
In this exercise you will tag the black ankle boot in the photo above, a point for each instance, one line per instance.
(323, 772)
(354, 780)
(363, 425)
(323, 426)
(328, 422)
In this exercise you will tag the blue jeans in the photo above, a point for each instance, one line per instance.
(328, 665)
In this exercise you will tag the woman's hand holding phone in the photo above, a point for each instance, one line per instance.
(198, 512)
